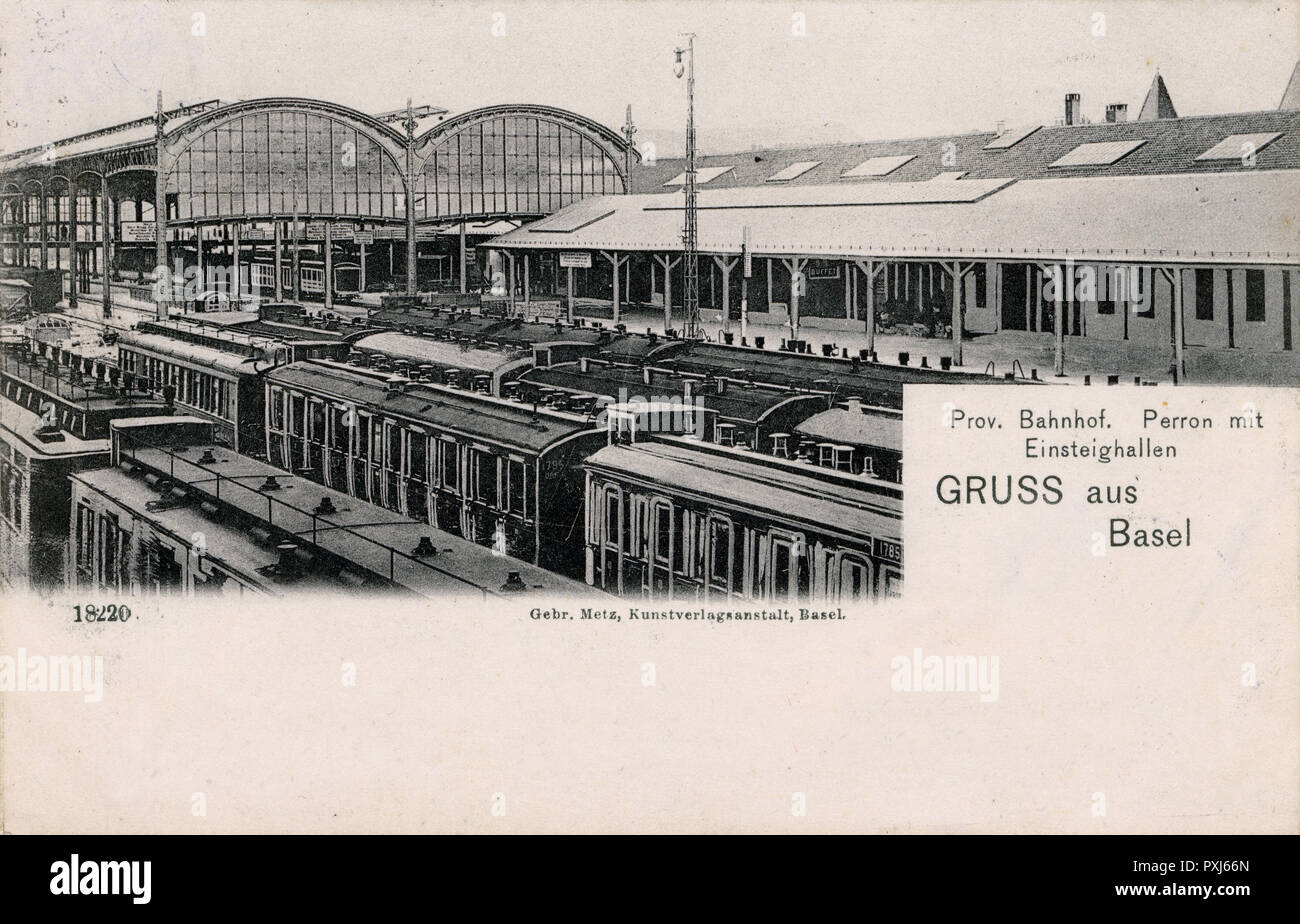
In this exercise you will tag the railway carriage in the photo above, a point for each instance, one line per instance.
(678, 520)
(492, 471)
(224, 387)
(311, 275)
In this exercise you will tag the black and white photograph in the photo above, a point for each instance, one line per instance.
(471, 335)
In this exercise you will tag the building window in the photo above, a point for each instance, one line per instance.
(1255, 295)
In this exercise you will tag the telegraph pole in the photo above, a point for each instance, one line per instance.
(690, 234)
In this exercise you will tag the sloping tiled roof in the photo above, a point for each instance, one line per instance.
(1172, 146)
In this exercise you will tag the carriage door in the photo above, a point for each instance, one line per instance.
(416, 475)
(722, 541)
(610, 538)
(316, 439)
(659, 554)
(340, 443)
(361, 457)
(787, 574)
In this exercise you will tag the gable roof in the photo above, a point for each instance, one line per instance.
(1171, 146)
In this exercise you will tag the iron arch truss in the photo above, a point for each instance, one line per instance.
(258, 159)
(515, 161)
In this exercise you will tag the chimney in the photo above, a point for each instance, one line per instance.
(1073, 106)
(1117, 112)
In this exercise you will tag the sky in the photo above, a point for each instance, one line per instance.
(767, 72)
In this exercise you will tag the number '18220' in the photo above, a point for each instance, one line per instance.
(110, 612)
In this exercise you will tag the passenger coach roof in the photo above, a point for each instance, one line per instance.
(855, 427)
(478, 416)
(419, 349)
(738, 402)
(230, 363)
(783, 493)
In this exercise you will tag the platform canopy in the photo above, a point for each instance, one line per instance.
(1238, 217)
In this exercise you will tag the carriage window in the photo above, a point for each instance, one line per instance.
(680, 524)
(419, 444)
(450, 469)
(518, 486)
(394, 458)
(85, 542)
(613, 509)
(339, 437)
(317, 422)
(661, 518)
(738, 559)
(855, 578)
(376, 442)
(485, 473)
(719, 551)
(782, 555)
(277, 409)
(363, 438)
(631, 514)
(299, 421)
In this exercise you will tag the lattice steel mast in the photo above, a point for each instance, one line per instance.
(690, 233)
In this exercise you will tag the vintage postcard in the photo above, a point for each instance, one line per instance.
(629, 417)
